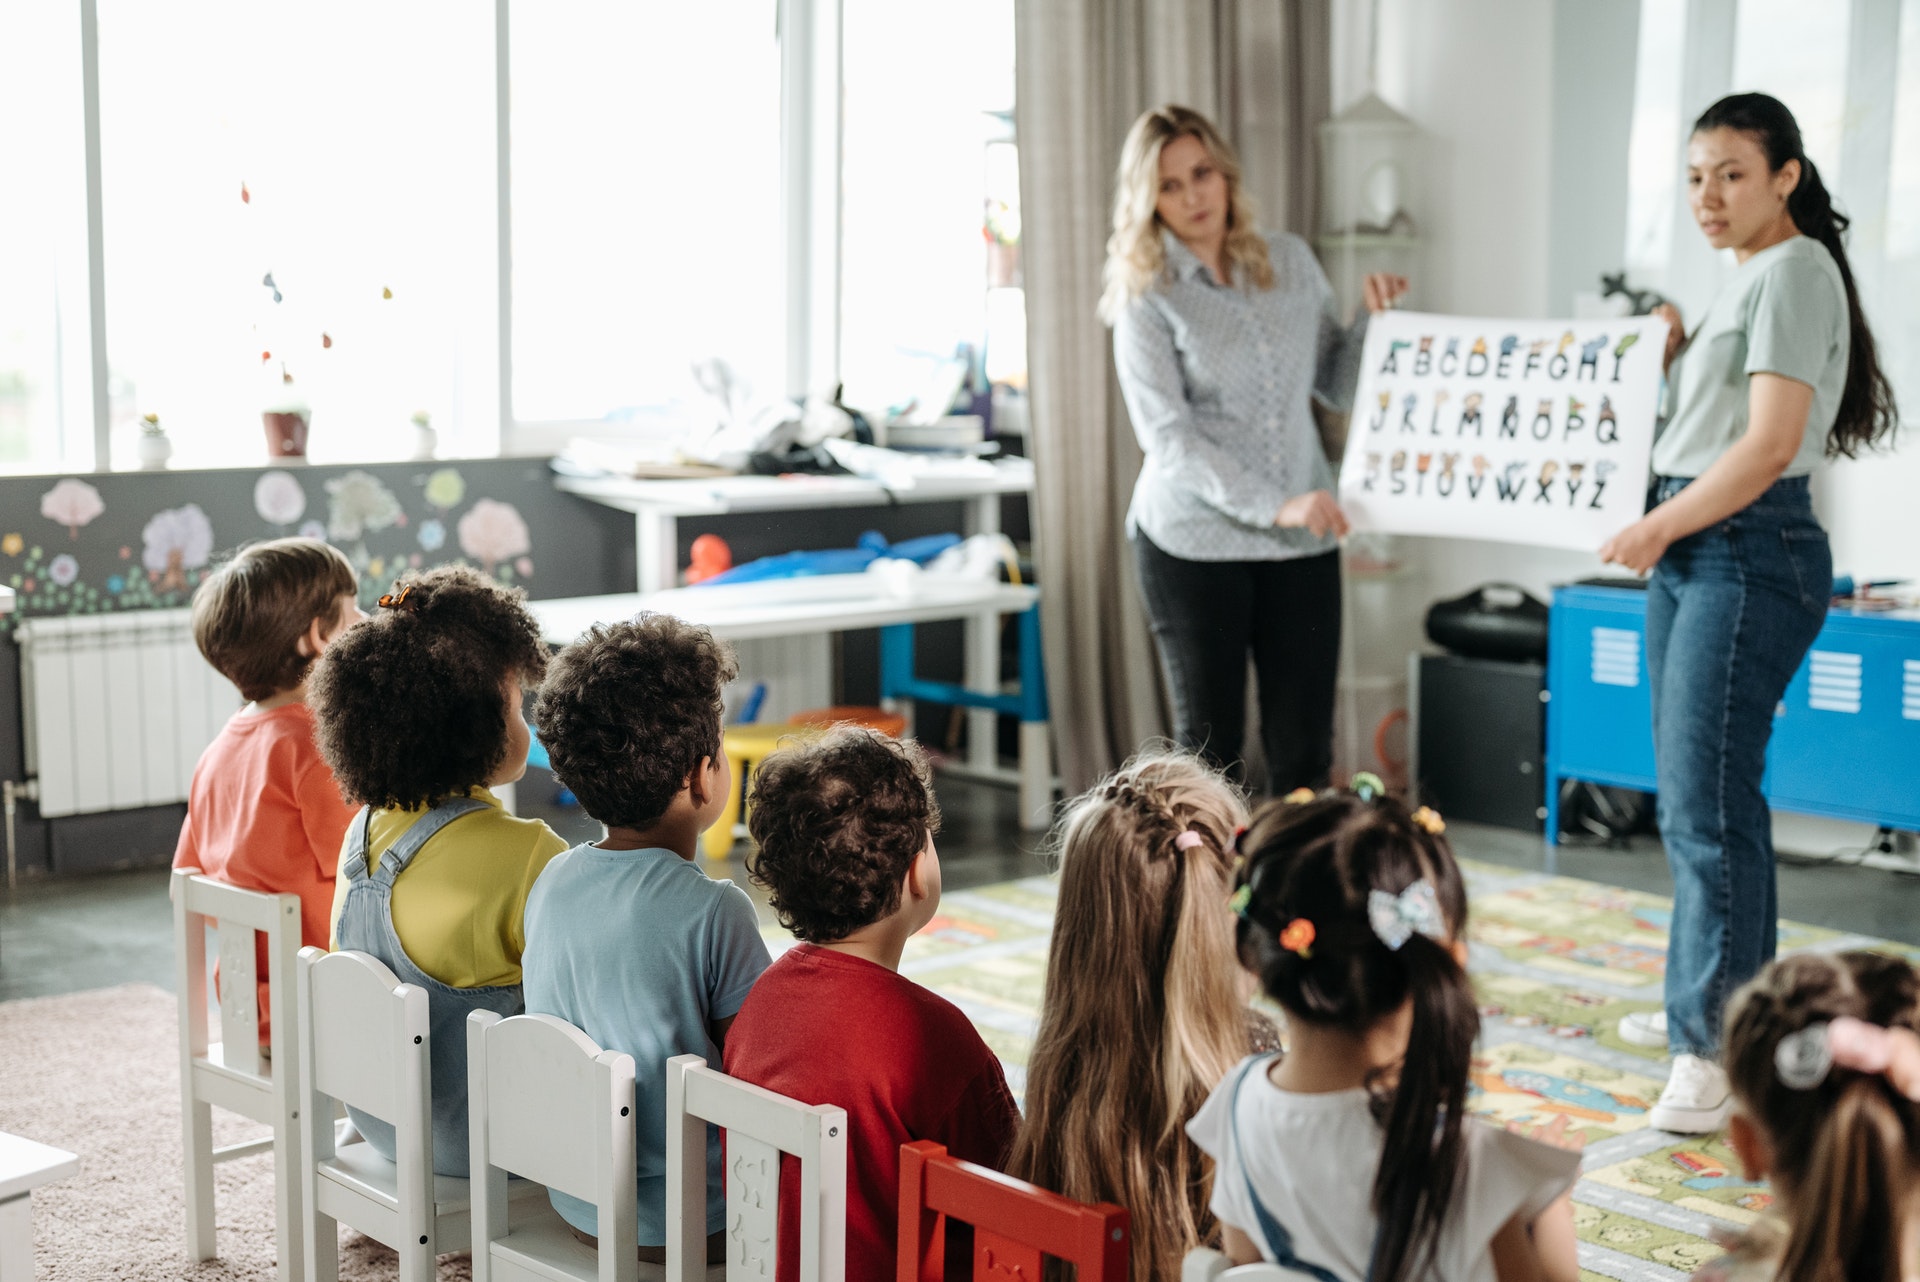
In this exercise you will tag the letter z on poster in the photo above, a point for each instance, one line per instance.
(1532, 432)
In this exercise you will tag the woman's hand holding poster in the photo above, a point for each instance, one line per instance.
(1515, 431)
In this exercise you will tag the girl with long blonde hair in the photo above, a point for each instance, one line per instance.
(1144, 1010)
(1222, 337)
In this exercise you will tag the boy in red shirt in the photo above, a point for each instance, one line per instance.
(845, 831)
(264, 812)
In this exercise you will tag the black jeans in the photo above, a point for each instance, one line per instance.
(1207, 615)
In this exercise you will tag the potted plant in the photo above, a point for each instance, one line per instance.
(155, 448)
(425, 440)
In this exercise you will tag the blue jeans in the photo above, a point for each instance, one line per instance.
(1731, 612)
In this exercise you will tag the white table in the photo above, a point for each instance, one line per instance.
(6, 600)
(24, 1167)
(657, 507)
(822, 604)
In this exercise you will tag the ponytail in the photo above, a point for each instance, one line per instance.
(1867, 414)
(1421, 1163)
(1850, 1205)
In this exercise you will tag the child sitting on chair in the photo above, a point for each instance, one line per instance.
(845, 830)
(264, 812)
(419, 714)
(627, 938)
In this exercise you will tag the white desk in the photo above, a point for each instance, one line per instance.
(821, 604)
(6, 600)
(657, 507)
(24, 1167)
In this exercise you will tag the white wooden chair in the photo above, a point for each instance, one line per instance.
(543, 1101)
(231, 1072)
(364, 1041)
(1204, 1264)
(760, 1126)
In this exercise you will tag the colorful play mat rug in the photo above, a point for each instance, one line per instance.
(1556, 962)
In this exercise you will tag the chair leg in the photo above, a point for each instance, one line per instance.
(197, 1168)
(324, 1251)
(416, 1262)
(288, 1211)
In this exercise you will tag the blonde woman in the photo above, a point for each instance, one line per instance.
(1144, 1010)
(1221, 337)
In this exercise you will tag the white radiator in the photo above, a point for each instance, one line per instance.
(118, 708)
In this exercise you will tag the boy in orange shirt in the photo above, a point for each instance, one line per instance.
(264, 812)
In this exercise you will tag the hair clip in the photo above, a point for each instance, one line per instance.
(1300, 796)
(398, 600)
(1367, 786)
(1802, 1060)
(1188, 839)
(1298, 937)
(1397, 918)
(1429, 818)
(1241, 899)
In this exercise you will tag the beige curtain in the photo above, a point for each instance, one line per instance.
(1086, 69)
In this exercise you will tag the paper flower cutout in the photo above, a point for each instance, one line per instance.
(492, 532)
(278, 498)
(445, 488)
(63, 569)
(433, 535)
(177, 540)
(312, 530)
(12, 544)
(523, 567)
(72, 503)
(359, 502)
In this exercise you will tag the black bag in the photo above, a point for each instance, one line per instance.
(1494, 621)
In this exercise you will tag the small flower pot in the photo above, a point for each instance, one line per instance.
(155, 450)
(286, 434)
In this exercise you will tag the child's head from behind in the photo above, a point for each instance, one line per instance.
(1839, 1145)
(630, 711)
(422, 702)
(844, 827)
(262, 618)
(1353, 913)
(1143, 1013)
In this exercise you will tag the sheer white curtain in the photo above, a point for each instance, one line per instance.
(1086, 69)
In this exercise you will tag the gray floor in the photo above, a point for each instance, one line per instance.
(66, 935)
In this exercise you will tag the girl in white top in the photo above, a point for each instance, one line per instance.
(1352, 1159)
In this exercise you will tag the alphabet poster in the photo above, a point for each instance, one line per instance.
(1532, 432)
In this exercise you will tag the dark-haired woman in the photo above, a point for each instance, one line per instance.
(1779, 374)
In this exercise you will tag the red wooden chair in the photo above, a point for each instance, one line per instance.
(1014, 1223)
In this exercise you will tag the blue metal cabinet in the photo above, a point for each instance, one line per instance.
(1846, 740)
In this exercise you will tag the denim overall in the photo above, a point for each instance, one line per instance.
(366, 925)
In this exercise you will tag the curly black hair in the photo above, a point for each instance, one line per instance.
(411, 706)
(837, 823)
(629, 710)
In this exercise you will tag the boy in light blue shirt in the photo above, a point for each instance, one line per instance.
(627, 938)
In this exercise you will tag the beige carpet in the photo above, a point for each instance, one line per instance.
(97, 1074)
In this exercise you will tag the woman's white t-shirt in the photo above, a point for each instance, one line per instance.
(1311, 1160)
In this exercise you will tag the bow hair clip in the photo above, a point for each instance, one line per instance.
(1802, 1060)
(398, 600)
(1398, 918)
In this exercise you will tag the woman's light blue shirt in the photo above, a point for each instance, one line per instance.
(1218, 381)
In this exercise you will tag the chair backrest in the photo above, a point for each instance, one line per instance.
(544, 1102)
(364, 1042)
(1204, 1264)
(1015, 1224)
(760, 1126)
(240, 914)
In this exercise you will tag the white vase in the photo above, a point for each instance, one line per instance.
(425, 441)
(155, 450)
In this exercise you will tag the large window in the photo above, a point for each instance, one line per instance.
(1893, 295)
(45, 416)
(930, 256)
(646, 203)
(298, 207)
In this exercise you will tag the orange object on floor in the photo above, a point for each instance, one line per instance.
(891, 724)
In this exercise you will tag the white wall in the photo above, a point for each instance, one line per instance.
(1477, 76)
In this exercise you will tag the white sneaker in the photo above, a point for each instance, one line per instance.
(1696, 1100)
(1646, 1028)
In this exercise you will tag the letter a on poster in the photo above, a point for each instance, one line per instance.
(1532, 432)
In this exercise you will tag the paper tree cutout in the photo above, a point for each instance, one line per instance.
(72, 503)
(492, 532)
(177, 540)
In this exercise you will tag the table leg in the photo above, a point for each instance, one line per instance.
(656, 551)
(983, 650)
(16, 1239)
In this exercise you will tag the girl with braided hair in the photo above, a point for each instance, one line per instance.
(1808, 1045)
(1352, 1157)
(1145, 1010)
